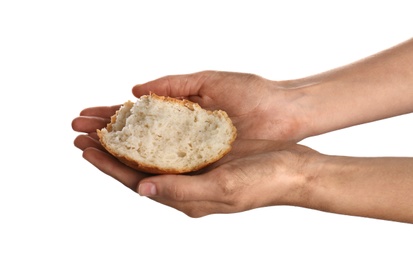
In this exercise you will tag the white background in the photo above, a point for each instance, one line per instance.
(58, 57)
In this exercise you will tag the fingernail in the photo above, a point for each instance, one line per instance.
(147, 189)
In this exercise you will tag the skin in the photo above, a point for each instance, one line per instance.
(266, 166)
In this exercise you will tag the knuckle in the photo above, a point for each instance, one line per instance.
(229, 188)
(232, 187)
(226, 185)
(233, 183)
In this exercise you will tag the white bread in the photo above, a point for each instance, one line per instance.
(165, 135)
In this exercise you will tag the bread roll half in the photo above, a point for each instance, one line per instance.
(165, 135)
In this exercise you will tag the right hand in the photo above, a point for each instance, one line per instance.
(259, 108)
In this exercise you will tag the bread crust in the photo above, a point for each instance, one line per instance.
(152, 168)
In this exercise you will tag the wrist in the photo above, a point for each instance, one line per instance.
(298, 168)
(291, 101)
(317, 106)
(319, 184)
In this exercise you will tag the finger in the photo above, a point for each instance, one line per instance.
(88, 124)
(103, 111)
(177, 187)
(112, 167)
(84, 141)
(94, 135)
(194, 196)
(209, 186)
(174, 86)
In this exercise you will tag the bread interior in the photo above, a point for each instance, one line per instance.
(169, 135)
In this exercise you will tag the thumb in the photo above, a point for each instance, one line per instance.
(176, 187)
(173, 86)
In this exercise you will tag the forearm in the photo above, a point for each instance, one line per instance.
(377, 87)
(379, 188)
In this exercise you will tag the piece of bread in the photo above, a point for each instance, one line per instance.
(165, 135)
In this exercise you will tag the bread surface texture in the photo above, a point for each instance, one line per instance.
(165, 135)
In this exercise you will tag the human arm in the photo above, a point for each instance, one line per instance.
(250, 176)
(379, 188)
(267, 173)
(260, 173)
(374, 88)
(377, 87)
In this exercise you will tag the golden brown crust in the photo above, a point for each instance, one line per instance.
(140, 166)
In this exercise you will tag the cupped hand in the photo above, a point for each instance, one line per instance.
(259, 108)
(256, 173)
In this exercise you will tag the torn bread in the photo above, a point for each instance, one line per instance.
(165, 135)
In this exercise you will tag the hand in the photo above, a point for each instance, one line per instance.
(258, 173)
(241, 180)
(261, 172)
(259, 108)
(254, 174)
(94, 118)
